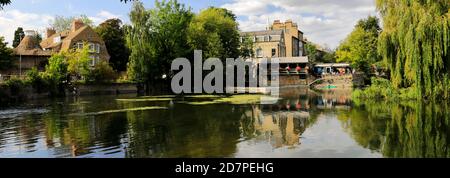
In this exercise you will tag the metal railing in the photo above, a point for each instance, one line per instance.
(292, 72)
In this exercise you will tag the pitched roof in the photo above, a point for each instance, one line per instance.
(66, 43)
(79, 32)
(29, 47)
(49, 42)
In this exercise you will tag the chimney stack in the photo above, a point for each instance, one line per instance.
(50, 32)
(77, 24)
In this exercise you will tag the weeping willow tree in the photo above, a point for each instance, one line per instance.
(415, 45)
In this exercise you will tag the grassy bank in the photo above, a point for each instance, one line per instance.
(383, 89)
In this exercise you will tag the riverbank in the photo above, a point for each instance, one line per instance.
(16, 94)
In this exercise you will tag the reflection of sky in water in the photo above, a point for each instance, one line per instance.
(13, 113)
(325, 138)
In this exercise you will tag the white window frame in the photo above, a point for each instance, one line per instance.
(97, 48)
(91, 47)
(79, 45)
(94, 60)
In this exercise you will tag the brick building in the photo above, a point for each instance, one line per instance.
(31, 54)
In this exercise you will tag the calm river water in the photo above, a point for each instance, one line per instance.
(303, 123)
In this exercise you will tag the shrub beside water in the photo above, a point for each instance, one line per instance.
(37, 81)
(16, 85)
(382, 89)
(102, 73)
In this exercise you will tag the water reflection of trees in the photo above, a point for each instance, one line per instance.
(411, 129)
(184, 131)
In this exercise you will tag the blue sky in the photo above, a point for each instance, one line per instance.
(325, 22)
(93, 7)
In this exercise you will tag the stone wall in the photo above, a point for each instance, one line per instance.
(339, 81)
(106, 89)
(8, 96)
(292, 80)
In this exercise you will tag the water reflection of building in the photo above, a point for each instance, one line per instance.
(282, 124)
(333, 99)
(278, 127)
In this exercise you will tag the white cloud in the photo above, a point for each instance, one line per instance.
(10, 20)
(322, 21)
(249, 7)
(104, 15)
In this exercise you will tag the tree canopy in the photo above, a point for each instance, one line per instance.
(215, 31)
(246, 47)
(112, 32)
(156, 37)
(360, 47)
(415, 44)
(317, 56)
(4, 3)
(5, 55)
(19, 34)
(61, 23)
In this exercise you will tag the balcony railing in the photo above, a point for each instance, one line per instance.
(293, 72)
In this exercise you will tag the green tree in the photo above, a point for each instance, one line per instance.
(38, 38)
(101, 73)
(56, 73)
(215, 31)
(329, 57)
(112, 32)
(415, 44)
(6, 56)
(155, 38)
(311, 52)
(246, 48)
(317, 56)
(360, 47)
(19, 34)
(79, 62)
(61, 23)
(4, 3)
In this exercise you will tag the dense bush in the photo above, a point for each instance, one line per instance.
(384, 89)
(56, 74)
(15, 85)
(37, 81)
(101, 73)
